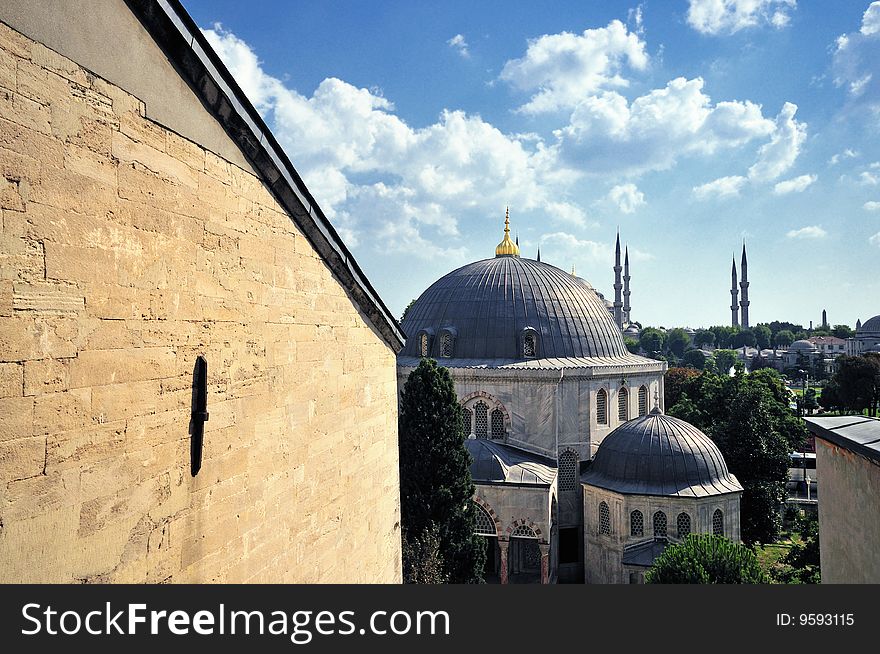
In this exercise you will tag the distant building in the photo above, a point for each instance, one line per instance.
(848, 460)
(867, 338)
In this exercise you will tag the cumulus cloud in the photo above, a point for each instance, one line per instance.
(794, 185)
(715, 17)
(384, 180)
(561, 69)
(626, 197)
(810, 232)
(778, 155)
(460, 45)
(855, 57)
(607, 132)
(868, 178)
(846, 154)
(871, 205)
(563, 244)
(871, 20)
(720, 188)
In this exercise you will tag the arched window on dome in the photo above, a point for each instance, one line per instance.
(468, 422)
(423, 344)
(568, 467)
(446, 345)
(497, 423)
(643, 400)
(529, 346)
(481, 420)
(636, 523)
(718, 523)
(683, 525)
(659, 525)
(602, 407)
(623, 404)
(604, 518)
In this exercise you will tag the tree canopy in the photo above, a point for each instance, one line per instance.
(652, 340)
(677, 340)
(857, 382)
(706, 559)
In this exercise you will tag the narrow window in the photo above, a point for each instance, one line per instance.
(468, 422)
(445, 345)
(423, 345)
(659, 525)
(636, 523)
(604, 519)
(529, 346)
(718, 523)
(683, 525)
(602, 407)
(497, 423)
(568, 464)
(481, 420)
(623, 405)
(643, 400)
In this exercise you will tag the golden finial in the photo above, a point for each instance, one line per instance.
(573, 273)
(507, 248)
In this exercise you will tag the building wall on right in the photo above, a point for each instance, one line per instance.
(849, 515)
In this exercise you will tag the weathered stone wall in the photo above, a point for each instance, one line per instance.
(127, 251)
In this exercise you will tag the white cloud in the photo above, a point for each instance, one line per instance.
(871, 20)
(720, 188)
(460, 45)
(846, 154)
(608, 133)
(869, 179)
(626, 197)
(855, 57)
(777, 156)
(564, 68)
(730, 16)
(871, 206)
(563, 244)
(875, 239)
(812, 231)
(794, 185)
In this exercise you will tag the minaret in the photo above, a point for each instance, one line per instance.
(626, 307)
(744, 286)
(539, 253)
(618, 305)
(858, 324)
(734, 293)
(824, 319)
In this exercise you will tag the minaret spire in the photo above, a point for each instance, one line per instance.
(539, 253)
(507, 248)
(734, 293)
(626, 307)
(824, 319)
(744, 287)
(618, 304)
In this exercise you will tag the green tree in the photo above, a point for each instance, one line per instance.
(763, 336)
(695, 359)
(858, 382)
(436, 489)
(723, 335)
(706, 559)
(422, 563)
(725, 360)
(631, 344)
(704, 338)
(783, 338)
(830, 397)
(842, 331)
(810, 402)
(406, 310)
(651, 341)
(677, 340)
(674, 383)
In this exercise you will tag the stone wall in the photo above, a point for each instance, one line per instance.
(127, 251)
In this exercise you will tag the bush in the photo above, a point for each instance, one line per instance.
(706, 559)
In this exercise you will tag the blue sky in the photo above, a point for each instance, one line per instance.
(690, 125)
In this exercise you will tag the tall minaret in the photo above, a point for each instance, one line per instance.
(734, 293)
(744, 287)
(824, 319)
(618, 305)
(626, 307)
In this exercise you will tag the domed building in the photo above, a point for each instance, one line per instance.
(544, 376)
(867, 338)
(653, 481)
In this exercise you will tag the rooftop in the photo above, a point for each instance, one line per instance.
(858, 434)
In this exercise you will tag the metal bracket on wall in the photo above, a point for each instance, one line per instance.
(199, 413)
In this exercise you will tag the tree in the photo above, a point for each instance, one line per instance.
(858, 382)
(651, 341)
(677, 340)
(406, 311)
(842, 331)
(723, 334)
(744, 337)
(763, 336)
(631, 344)
(706, 559)
(704, 338)
(830, 397)
(436, 489)
(695, 359)
(675, 382)
(725, 360)
(783, 338)
(422, 563)
(810, 403)
(801, 564)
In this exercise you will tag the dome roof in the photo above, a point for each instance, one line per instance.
(870, 327)
(488, 305)
(499, 463)
(657, 454)
(802, 346)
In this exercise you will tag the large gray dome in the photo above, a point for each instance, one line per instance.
(657, 454)
(489, 305)
(870, 327)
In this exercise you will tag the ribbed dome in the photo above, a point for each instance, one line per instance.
(657, 454)
(802, 346)
(870, 327)
(488, 305)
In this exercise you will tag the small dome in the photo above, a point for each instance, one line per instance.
(802, 346)
(657, 454)
(870, 327)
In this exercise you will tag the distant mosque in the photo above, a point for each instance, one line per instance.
(741, 309)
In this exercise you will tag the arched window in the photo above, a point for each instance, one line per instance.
(643, 400)
(718, 523)
(485, 525)
(659, 525)
(481, 420)
(423, 345)
(604, 519)
(568, 465)
(623, 404)
(636, 523)
(446, 345)
(523, 531)
(602, 407)
(683, 525)
(497, 423)
(468, 422)
(529, 346)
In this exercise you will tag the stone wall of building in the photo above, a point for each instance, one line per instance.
(126, 252)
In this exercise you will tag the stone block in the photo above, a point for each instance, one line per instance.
(47, 298)
(21, 458)
(11, 376)
(25, 338)
(60, 412)
(119, 366)
(128, 150)
(45, 376)
(23, 111)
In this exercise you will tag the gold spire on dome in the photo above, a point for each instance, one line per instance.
(507, 248)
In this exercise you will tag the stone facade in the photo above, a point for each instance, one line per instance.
(127, 251)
